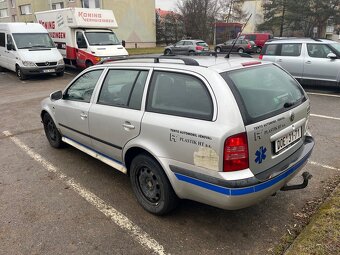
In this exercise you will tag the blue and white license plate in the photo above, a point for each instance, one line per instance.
(288, 139)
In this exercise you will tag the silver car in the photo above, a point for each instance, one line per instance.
(227, 133)
(306, 59)
(187, 47)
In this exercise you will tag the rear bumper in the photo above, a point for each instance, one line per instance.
(241, 193)
(42, 70)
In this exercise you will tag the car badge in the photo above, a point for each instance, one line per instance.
(47, 63)
(292, 117)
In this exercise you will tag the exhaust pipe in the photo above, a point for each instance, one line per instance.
(306, 177)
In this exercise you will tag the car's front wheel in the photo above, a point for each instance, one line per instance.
(167, 52)
(151, 185)
(20, 74)
(258, 50)
(218, 49)
(51, 132)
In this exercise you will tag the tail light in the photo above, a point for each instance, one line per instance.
(236, 155)
(261, 57)
(249, 46)
(199, 47)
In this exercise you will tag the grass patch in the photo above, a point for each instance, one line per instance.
(139, 51)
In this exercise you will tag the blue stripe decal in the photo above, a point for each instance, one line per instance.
(99, 153)
(242, 191)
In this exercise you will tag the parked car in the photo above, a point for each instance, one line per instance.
(241, 46)
(27, 49)
(227, 133)
(187, 47)
(259, 39)
(306, 59)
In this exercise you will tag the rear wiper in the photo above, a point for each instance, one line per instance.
(288, 104)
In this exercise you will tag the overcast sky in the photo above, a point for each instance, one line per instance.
(166, 4)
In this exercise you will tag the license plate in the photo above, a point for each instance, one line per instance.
(288, 139)
(48, 70)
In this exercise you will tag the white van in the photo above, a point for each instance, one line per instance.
(27, 49)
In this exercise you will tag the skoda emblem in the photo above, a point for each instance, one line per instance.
(47, 63)
(292, 116)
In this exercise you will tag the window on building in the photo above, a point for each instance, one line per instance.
(13, 3)
(3, 13)
(90, 3)
(56, 6)
(25, 9)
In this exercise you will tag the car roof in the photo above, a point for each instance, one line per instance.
(219, 64)
(298, 40)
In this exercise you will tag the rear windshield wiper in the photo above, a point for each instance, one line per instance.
(290, 103)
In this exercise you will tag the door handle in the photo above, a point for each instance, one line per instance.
(308, 62)
(83, 116)
(128, 126)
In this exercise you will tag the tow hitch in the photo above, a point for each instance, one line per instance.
(306, 177)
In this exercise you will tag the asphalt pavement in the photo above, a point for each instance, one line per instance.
(66, 202)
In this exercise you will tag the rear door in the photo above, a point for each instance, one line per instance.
(291, 58)
(316, 64)
(274, 109)
(116, 116)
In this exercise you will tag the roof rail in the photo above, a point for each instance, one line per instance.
(186, 61)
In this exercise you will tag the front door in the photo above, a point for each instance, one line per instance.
(116, 116)
(316, 64)
(10, 55)
(81, 51)
(72, 111)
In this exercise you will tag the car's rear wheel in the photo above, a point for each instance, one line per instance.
(20, 74)
(191, 53)
(218, 49)
(167, 52)
(51, 132)
(240, 50)
(151, 185)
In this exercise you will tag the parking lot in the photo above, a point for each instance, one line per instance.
(66, 202)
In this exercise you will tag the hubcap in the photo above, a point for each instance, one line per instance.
(148, 184)
(51, 129)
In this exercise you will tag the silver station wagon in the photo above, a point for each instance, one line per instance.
(224, 132)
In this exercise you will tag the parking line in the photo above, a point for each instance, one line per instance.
(324, 166)
(324, 116)
(118, 218)
(321, 94)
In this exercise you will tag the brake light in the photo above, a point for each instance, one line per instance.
(236, 153)
(251, 63)
(249, 46)
(199, 47)
(261, 57)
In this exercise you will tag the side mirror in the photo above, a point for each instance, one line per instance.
(123, 43)
(56, 95)
(10, 47)
(331, 55)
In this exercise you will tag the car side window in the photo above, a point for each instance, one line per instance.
(318, 50)
(123, 88)
(291, 49)
(188, 43)
(82, 89)
(270, 49)
(180, 43)
(180, 95)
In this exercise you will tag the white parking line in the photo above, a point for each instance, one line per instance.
(324, 166)
(321, 94)
(118, 218)
(324, 116)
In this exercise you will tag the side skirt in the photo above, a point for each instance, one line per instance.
(96, 155)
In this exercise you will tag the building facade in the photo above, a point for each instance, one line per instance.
(136, 18)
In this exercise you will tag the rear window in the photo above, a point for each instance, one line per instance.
(263, 91)
(202, 44)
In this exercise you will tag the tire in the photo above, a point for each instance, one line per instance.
(20, 74)
(167, 52)
(60, 74)
(258, 50)
(88, 63)
(191, 53)
(240, 50)
(151, 185)
(218, 49)
(51, 132)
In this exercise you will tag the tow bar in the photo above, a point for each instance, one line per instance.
(306, 177)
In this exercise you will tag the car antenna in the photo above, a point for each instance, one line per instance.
(239, 34)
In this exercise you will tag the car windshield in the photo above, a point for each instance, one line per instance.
(33, 40)
(102, 38)
(336, 46)
(264, 90)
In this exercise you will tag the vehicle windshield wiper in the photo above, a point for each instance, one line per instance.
(290, 103)
(40, 46)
